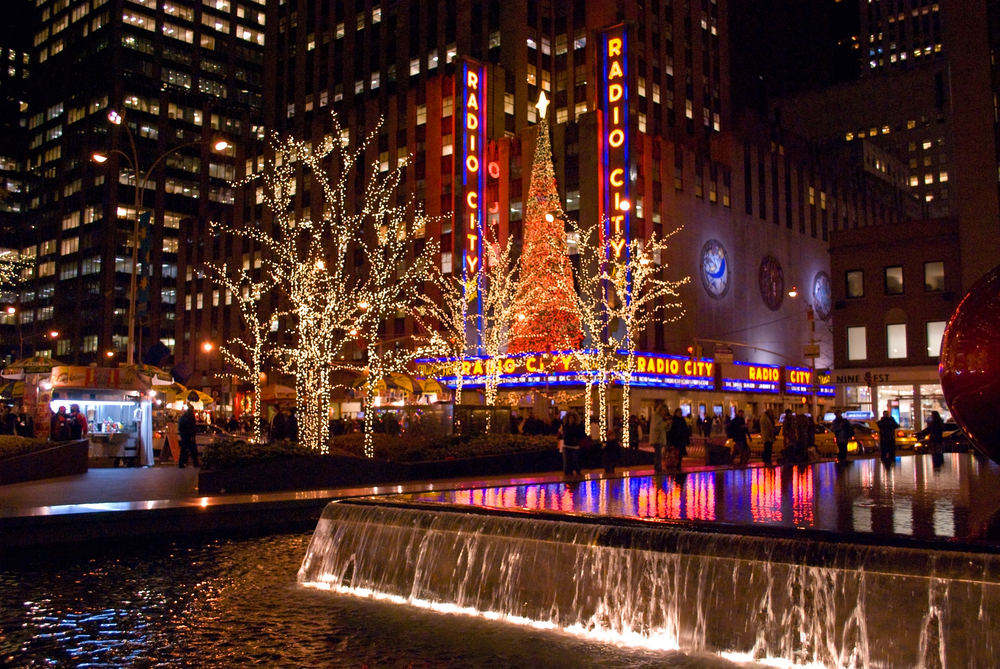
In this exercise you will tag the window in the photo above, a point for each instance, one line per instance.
(90, 341)
(935, 332)
(933, 276)
(855, 283)
(857, 344)
(895, 341)
(894, 280)
(446, 263)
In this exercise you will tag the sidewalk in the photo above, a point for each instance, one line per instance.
(163, 502)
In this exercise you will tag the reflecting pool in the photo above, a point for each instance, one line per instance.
(948, 498)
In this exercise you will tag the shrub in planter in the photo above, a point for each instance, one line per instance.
(11, 446)
(238, 453)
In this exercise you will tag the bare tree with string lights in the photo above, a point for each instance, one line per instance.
(620, 292)
(395, 272)
(309, 262)
(248, 351)
(442, 318)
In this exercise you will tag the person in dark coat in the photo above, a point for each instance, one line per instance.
(59, 426)
(572, 433)
(633, 431)
(934, 433)
(26, 424)
(188, 430)
(767, 435)
(532, 425)
(234, 424)
(887, 426)
(279, 429)
(843, 432)
(739, 434)
(611, 451)
(679, 434)
(292, 426)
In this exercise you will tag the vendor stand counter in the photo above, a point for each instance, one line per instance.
(113, 428)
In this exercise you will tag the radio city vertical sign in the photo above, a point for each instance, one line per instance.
(615, 184)
(470, 131)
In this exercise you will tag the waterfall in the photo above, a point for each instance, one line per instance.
(806, 603)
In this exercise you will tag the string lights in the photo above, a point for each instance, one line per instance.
(247, 352)
(546, 319)
(497, 285)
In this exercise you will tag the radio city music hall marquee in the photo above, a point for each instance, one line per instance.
(614, 178)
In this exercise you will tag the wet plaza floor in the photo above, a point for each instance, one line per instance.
(940, 500)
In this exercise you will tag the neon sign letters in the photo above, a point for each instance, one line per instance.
(748, 377)
(614, 137)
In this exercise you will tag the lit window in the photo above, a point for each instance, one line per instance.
(935, 332)
(926, 144)
(414, 67)
(857, 344)
(895, 340)
(943, 177)
(914, 181)
(933, 276)
(894, 280)
(421, 114)
(855, 282)
(446, 263)
(929, 178)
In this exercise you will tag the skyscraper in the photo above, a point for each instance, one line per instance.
(151, 87)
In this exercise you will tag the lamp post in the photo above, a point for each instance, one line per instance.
(140, 185)
(12, 315)
(812, 352)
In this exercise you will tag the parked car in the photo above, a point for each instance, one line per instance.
(953, 440)
(905, 437)
(826, 444)
(210, 434)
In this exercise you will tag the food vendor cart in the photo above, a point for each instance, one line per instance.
(118, 407)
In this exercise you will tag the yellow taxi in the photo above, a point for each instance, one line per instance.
(826, 444)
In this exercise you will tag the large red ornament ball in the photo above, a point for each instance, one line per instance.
(970, 364)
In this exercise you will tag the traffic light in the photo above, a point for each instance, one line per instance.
(696, 352)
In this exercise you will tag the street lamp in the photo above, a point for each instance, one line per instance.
(812, 352)
(140, 185)
(12, 315)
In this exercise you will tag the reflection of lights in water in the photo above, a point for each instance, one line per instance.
(902, 516)
(701, 497)
(802, 497)
(765, 495)
(944, 518)
(861, 517)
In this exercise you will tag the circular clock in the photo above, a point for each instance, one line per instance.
(822, 296)
(772, 282)
(715, 269)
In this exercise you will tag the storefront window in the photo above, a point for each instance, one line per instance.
(899, 401)
(858, 397)
(932, 399)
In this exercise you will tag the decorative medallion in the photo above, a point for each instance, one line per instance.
(772, 282)
(822, 296)
(715, 269)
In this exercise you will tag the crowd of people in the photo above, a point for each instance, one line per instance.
(16, 423)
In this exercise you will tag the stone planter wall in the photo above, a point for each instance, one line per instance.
(63, 459)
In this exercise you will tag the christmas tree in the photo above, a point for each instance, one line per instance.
(546, 318)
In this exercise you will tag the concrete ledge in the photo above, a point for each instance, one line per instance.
(330, 471)
(63, 459)
(99, 527)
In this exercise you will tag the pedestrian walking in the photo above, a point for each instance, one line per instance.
(658, 427)
(187, 427)
(767, 435)
(887, 426)
(843, 432)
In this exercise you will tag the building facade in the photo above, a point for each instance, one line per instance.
(751, 207)
(895, 287)
(151, 87)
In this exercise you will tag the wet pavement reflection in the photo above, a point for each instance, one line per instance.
(934, 498)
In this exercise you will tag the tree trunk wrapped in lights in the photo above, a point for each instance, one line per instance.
(546, 315)
(497, 286)
(247, 352)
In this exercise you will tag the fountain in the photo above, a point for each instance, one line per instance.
(803, 602)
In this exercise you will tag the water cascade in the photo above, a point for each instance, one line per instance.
(807, 603)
